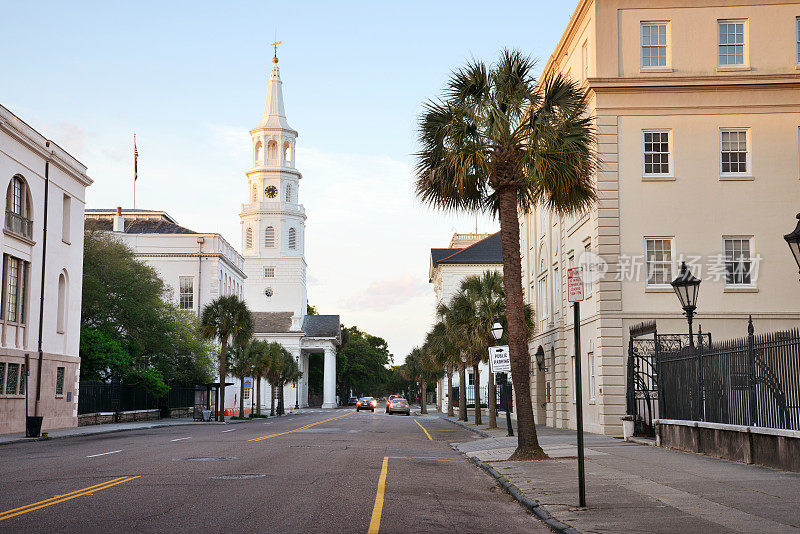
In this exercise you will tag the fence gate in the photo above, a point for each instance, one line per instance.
(645, 347)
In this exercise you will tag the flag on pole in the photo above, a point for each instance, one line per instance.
(135, 159)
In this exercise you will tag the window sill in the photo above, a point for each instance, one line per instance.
(657, 178)
(656, 70)
(740, 289)
(736, 178)
(591, 402)
(66, 241)
(19, 236)
(13, 396)
(659, 289)
(733, 68)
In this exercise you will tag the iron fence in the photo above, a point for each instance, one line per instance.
(97, 397)
(752, 381)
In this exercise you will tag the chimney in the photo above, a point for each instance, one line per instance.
(119, 221)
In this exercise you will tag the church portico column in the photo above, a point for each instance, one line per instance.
(329, 380)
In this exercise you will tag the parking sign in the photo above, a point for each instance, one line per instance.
(575, 284)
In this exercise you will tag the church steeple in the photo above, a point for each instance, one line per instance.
(274, 114)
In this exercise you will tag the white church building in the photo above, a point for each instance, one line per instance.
(269, 273)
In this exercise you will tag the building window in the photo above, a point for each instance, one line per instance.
(591, 376)
(61, 314)
(585, 59)
(730, 43)
(292, 238)
(734, 152)
(738, 264)
(544, 312)
(259, 154)
(248, 238)
(14, 290)
(186, 292)
(658, 261)
(654, 44)
(18, 209)
(272, 150)
(269, 237)
(12, 379)
(586, 261)
(59, 380)
(2, 377)
(288, 192)
(656, 155)
(287, 152)
(66, 217)
(556, 292)
(269, 272)
(471, 379)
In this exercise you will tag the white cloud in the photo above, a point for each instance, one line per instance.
(380, 295)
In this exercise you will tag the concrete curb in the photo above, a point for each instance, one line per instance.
(532, 506)
(148, 427)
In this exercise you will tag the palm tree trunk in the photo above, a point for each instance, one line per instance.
(281, 410)
(423, 403)
(462, 391)
(528, 447)
(491, 402)
(241, 397)
(258, 395)
(450, 411)
(477, 388)
(271, 399)
(223, 373)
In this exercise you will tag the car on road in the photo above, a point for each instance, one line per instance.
(352, 401)
(397, 404)
(366, 403)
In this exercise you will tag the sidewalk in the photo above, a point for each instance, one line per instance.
(91, 430)
(640, 488)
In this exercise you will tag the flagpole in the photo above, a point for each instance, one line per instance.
(135, 169)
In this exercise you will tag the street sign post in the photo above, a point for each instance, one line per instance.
(500, 359)
(575, 295)
(248, 382)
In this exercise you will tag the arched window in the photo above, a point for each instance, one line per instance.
(288, 192)
(287, 152)
(248, 238)
(61, 318)
(18, 208)
(269, 237)
(259, 153)
(292, 238)
(272, 150)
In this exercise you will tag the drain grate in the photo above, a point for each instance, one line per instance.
(243, 476)
(207, 458)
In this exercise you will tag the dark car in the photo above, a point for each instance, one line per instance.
(366, 403)
(352, 401)
(397, 404)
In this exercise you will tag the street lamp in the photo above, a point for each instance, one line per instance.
(497, 328)
(793, 240)
(686, 286)
(540, 358)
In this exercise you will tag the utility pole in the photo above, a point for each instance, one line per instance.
(575, 292)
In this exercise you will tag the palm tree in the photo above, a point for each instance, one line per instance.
(443, 353)
(497, 141)
(226, 318)
(242, 365)
(280, 369)
(464, 310)
(259, 353)
(458, 317)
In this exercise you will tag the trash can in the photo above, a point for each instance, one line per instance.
(33, 426)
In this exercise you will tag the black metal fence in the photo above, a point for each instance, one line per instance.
(97, 397)
(753, 381)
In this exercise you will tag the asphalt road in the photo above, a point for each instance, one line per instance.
(332, 471)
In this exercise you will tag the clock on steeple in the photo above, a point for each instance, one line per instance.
(271, 191)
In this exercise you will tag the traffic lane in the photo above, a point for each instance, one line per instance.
(324, 473)
(438, 495)
(36, 470)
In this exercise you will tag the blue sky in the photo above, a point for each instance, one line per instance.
(190, 79)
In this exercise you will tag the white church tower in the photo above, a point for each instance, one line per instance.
(273, 220)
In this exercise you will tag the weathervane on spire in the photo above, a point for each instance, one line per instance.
(275, 47)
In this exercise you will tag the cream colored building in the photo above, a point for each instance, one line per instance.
(697, 104)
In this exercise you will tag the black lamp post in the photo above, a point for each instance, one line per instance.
(686, 286)
(505, 396)
(497, 330)
(793, 240)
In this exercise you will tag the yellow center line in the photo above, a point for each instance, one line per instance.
(298, 429)
(66, 497)
(423, 429)
(377, 510)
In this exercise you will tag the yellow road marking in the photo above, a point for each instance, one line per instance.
(297, 429)
(423, 429)
(377, 510)
(61, 498)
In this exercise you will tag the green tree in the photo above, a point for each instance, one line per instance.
(243, 364)
(362, 363)
(500, 142)
(445, 354)
(102, 355)
(226, 318)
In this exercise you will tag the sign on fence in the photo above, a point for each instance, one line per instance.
(248, 382)
(500, 359)
(575, 284)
